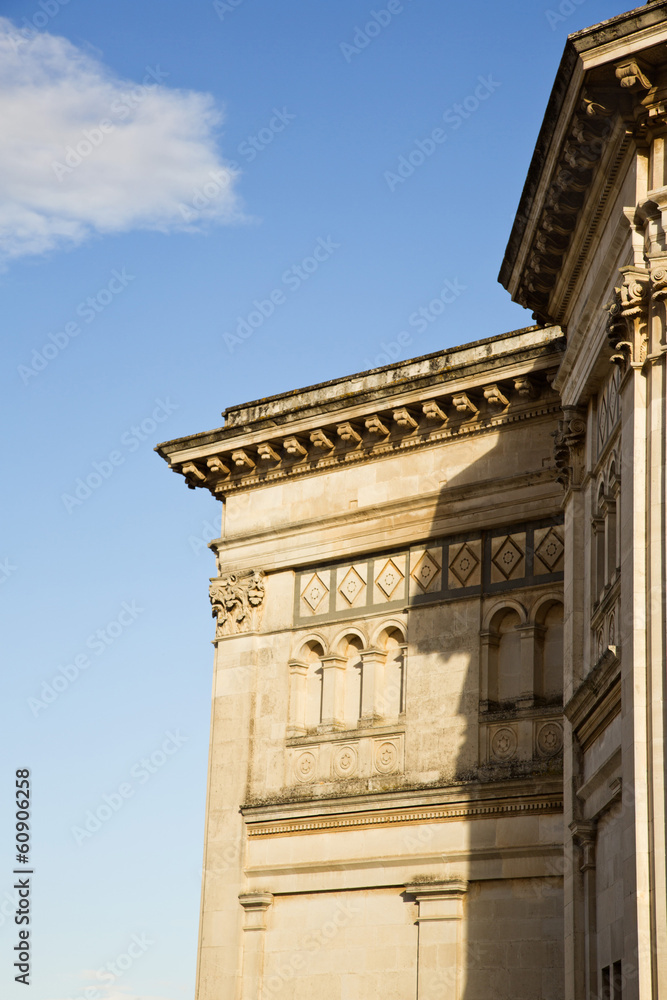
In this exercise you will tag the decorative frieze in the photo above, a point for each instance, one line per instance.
(444, 569)
(530, 735)
(237, 603)
(345, 758)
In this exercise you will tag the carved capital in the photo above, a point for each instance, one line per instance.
(627, 327)
(237, 602)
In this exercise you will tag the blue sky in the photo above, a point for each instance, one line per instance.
(167, 172)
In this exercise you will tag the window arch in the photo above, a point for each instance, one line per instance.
(548, 673)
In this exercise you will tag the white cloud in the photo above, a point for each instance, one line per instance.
(85, 152)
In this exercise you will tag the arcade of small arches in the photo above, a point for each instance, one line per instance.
(355, 680)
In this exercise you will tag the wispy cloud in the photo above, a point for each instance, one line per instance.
(86, 152)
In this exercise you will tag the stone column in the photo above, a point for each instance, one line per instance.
(373, 701)
(333, 693)
(487, 689)
(255, 905)
(298, 674)
(440, 957)
(583, 835)
(526, 697)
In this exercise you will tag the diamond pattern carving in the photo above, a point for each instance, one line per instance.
(507, 557)
(425, 571)
(314, 592)
(463, 563)
(351, 585)
(550, 549)
(389, 578)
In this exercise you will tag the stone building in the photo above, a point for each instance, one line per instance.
(437, 763)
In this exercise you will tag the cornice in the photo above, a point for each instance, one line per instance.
(357, 435)
(594, 115)
(597, 701)
(315, 817)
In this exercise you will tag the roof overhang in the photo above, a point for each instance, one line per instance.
(606, 76)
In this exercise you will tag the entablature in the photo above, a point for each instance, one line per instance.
(350, 429)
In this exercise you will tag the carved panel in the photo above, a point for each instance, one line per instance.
(315, 592)
(351, 586)
(503, 743)
(465, 563)
(425, 570)
(326, 759)
(508, 558)
(548, 739)
(549, 549)
(608, 410)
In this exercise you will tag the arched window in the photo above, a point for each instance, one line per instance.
(504, 658)
(305, 689)
(549, 653)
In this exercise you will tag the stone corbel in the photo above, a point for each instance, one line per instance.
(404, 419)
(464, 404)
(242, 459)
(216, 464)
(569, 441)
(526, 387)
(631, 75)
(494, 396)
(193, 475)
(375, 426)
(433, 412)
(320, 441)
(267, 453)
(348, 434)
(294, 447)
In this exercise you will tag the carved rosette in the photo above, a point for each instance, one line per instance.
(237, 602)
(569, 442)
